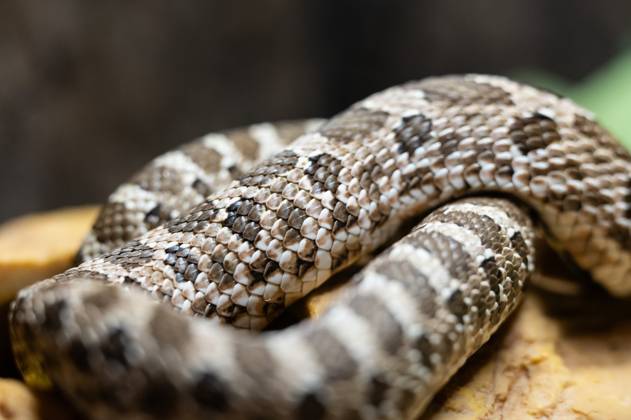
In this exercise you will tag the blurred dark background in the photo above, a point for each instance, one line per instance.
(89, 91)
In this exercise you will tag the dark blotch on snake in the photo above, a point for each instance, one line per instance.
(381, 319)
(75, 273)
(158, 399)
(484, 227)
(277, 164)
(202, 188)
(535, 132)
(170, 259)
(133, 255)
(493, 273)
(209, 160)
(115, 345)
(322, 171)
(621, 235)
(404, 401)
(456, 304)
(103, 298)
(377, 390)
(153, 217)
(414, 282)
(209, 392)
(79, 354)
(461, 93)
(519, 245)
(414, 131)
(325, 344)
(310, 408)
(355, 124)
(443, 348)
(450, 252)
(52, 315)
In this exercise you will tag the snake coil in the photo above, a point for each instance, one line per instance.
(227, 231)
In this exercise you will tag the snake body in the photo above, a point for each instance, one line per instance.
(99, 333)
(173, 183)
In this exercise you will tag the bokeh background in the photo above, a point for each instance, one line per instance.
(89, 91)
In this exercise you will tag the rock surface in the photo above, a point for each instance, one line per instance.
(37, 246)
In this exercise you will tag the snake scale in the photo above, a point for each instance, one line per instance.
(481, 158)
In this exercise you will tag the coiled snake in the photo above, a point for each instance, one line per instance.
(410, 318)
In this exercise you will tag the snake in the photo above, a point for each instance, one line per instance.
(442, 182)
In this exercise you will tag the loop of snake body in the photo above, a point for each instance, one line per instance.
(261, 235)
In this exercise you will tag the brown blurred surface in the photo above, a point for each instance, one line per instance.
(561, 355)
(89, 91)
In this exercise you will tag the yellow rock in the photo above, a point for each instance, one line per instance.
(539, 365)
(17, 402)
(37, 246)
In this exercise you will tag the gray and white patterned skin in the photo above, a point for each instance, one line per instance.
(407, 321)
(175, 182)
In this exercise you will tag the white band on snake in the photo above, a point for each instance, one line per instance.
(223, 238)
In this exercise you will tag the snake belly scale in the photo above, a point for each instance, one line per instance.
(103, 332)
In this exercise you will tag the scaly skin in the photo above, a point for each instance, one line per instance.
(410, 318)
